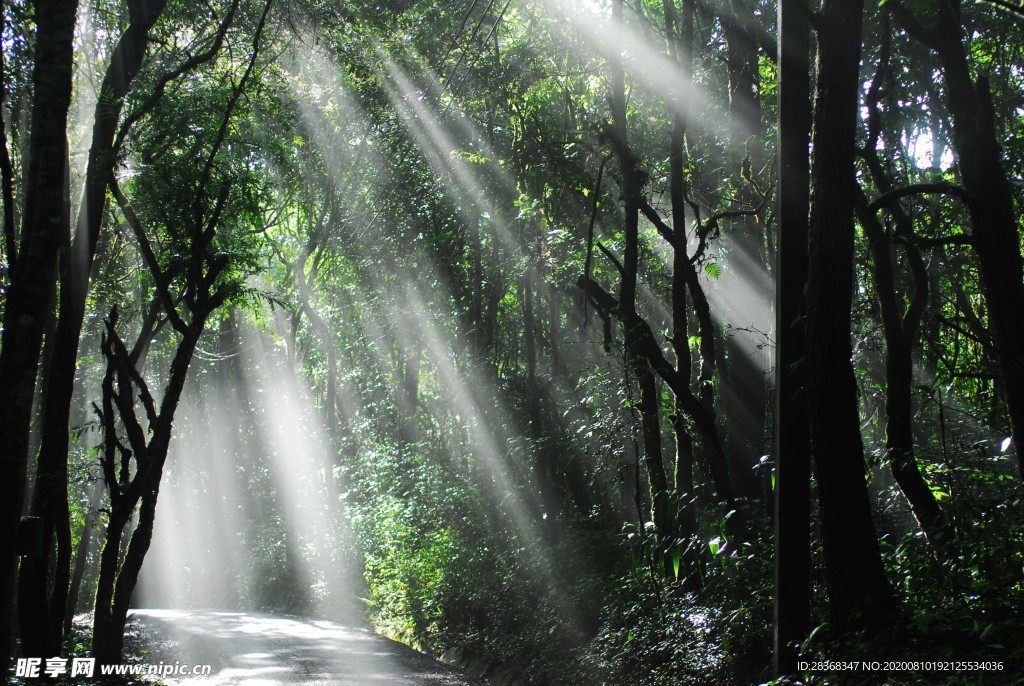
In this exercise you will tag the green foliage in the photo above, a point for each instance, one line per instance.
(659, 633)
(387, 187)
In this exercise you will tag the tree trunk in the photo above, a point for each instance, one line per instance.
(108, 648)
(859, 593)
(996, 237)
(6, 184)
(45, 227)
(649, 400)
(103, 640)
(82, 554)
(900, 333)
(42, 624)
(680, 47)
(118, 583)
(792, 612)
(900, 322)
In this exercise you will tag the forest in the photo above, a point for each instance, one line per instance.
(580, 342)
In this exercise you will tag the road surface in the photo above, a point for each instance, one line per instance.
(253, 649)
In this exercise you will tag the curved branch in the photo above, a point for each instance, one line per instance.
(186, 66)
(1014, 7)
(889, 197)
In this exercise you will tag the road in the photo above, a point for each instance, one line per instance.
(253, 649)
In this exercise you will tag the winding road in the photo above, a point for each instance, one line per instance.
(253, 649)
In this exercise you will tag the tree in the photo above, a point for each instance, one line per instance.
(197, 280)
(32, 276)
(990, 201)
(858, 590)
(42, 617)
(792, 422)
(900, 321)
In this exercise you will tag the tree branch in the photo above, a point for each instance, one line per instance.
(1014, 7)
(185, 67)
(222, 132)
(611, 257)
(666, 231)
(889, 197)
(926, 35)
(958, 239)
(162, 284)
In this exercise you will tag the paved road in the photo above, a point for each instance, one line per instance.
(254, 649)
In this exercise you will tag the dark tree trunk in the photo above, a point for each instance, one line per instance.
(42, 617)
(900, 333)
(792, 422)
(107, 647)
(900, 323)
(32, 278)
(103, 617)
(859, 593)
(6, 184)
(648, 402)
(117, 582)
(679, 34)
(996, 237)
(899, 441)
(703, 420)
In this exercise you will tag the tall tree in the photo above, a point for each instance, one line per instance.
(41, 617)
(45, 227)
(900, 322)
(630, 171)
(857, 587)
(990, 202)
(189, 290)
(792, 429)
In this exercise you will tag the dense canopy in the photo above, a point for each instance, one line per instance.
(591, 341)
